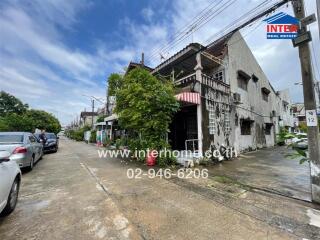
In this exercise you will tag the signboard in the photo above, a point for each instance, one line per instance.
(311, 116)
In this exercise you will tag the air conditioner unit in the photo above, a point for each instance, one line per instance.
(236, 98)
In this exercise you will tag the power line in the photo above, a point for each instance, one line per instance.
(235, 29)
(208, 19)
(199, 25)
(187, 27)
(242, 18)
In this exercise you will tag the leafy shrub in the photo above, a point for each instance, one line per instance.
(164, 161)
(93, 136)
(77, 134)
(281, 136)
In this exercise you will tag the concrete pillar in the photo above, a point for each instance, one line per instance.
(198, 68)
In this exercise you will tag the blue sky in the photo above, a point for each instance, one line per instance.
(53, 51)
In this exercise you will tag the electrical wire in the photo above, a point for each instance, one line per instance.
(196, 27)
(241, 19)
(187, 29)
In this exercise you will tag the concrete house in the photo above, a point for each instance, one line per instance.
(226, 99)
(86, 118)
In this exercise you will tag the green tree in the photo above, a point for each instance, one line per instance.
(11, 104)
(101, 118)
(43, 120)
(115, 82)
(15, 116)
(303, 127)
(29, 121)
(145, 106)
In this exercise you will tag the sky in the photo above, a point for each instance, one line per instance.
(53, 52)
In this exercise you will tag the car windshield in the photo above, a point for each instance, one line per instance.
(50, 136)
(11, 138)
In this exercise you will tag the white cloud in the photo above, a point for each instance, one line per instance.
(39, 64)
(147, 13)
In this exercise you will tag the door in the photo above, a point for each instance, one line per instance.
(34, 147)
(5, 183)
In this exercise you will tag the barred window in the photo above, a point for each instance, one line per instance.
(218, 75)
(227, 121)
(268, 127)
(212, 120)
(245, 127)
(243, 80)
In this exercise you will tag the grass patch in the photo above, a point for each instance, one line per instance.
(223, 179)
(229, 181)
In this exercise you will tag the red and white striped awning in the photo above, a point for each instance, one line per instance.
(189, 97)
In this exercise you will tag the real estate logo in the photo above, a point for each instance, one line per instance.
(282, 26)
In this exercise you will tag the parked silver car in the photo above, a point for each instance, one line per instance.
(10, 178)
(24, 147)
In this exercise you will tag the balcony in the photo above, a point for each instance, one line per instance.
(191, 78)
(205, 80)
(215, 84)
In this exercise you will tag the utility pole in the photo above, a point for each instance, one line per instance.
(318, 15)
(318, 90)
(302, 41)
(106, 112)
(92, 102)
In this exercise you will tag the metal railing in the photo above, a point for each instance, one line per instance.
(191, 77)
(218, 85)
(194, 144)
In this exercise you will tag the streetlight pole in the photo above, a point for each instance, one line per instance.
(92, 113)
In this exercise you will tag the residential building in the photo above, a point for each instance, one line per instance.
(226, 98)
(86, 118)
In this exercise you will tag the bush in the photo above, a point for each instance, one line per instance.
(281, 136)
(166, 161)
(93, 136)
(77, 134)
(303, 127)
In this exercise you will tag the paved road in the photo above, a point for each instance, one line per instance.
(74, 194)
(270, 169)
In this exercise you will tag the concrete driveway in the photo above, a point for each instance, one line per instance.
(74, 194)
(270, 170)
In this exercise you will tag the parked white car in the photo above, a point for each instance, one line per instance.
(300, 141)
(10, 178)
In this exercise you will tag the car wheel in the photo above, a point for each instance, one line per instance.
(31, 164)
(12, 199)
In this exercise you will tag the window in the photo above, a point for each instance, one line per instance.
(268, 127)
(243, 79)
(212, 120)
(254, 78)
(218, 76)
(32, 139)
(265, 97)
(265, 93)
(11, 138)
(245, 126)
(227, 121)
(285, 105)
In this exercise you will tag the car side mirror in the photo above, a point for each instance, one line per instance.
(4, 156)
